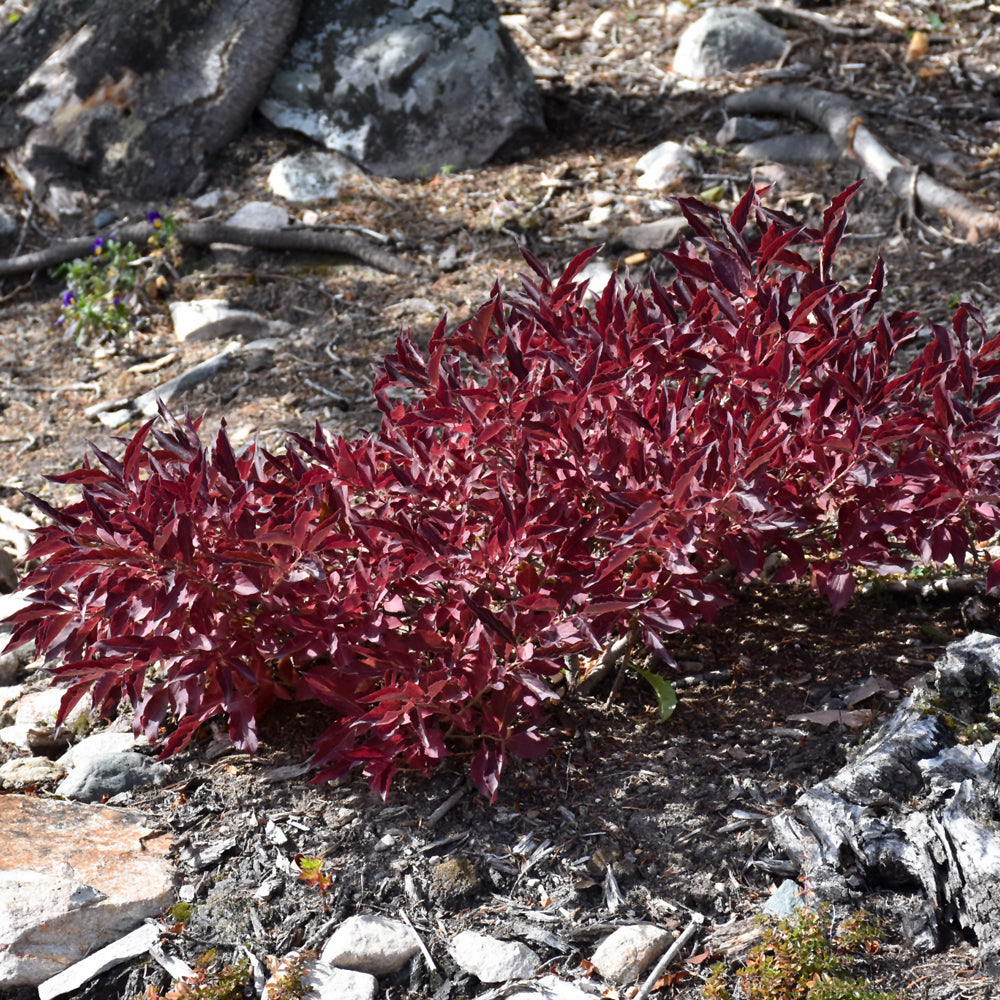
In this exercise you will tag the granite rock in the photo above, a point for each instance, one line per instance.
(72, 878)
(388, 84)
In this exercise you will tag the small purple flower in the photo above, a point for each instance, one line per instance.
(69, 297)
(97, 247)
(155, 218)
(117, 300)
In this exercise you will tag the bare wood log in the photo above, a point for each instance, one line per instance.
(200, 234)
(844, 122)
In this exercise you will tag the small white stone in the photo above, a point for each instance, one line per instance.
(99, 745)
(599, 214)
(596, 274)
(370, 943)
(664, 165)
(554, 988)
(210, 319)
(260, 215)
(625, 953)
(310, 176)
(491, 960)
(209, 199)
(601, 196)
(724, 39)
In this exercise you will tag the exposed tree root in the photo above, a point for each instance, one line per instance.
(200, 234)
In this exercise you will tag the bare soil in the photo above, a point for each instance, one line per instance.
(678, 809)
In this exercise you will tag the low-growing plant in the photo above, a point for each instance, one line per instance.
(547, 477)
(107, 291)
(807, 957)
(289, 977)
(210, 980)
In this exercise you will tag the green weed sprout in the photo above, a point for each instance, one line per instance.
(311, 873)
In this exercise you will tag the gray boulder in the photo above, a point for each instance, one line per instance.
(726, 39)
(406, 87)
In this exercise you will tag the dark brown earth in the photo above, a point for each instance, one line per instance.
(662, 800)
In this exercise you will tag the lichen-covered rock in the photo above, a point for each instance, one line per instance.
(405, 88)
(454, 880)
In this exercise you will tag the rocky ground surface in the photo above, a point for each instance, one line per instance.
(677, 811)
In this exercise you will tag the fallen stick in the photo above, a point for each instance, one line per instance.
(672, 952)
(201, 234)
(257, 352)
(808, 18)
(844, 122)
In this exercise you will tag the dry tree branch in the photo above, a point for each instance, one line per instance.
(844, 122)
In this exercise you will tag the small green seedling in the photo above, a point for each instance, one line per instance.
(666, 695)
(311, 872)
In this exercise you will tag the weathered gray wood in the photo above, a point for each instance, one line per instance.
(915, 811)
(844, 122)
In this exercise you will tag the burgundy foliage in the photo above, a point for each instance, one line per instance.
(547, 476)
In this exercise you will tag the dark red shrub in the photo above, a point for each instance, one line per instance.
(545, 477)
